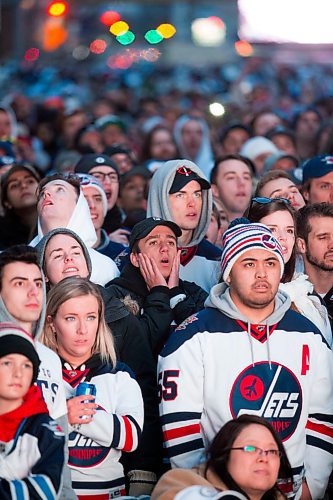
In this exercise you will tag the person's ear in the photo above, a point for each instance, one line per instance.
(134, 259)
(49, 321)
(306, 194)
(215, 191)
(301, 245)
(228, 280)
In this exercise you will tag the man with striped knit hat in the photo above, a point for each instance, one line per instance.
(248, 352)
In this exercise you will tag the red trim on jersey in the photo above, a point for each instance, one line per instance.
(102, 496)
(128, 434)
(181, 432)
(321, 428)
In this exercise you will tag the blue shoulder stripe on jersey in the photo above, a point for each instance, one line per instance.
(43, 485)
(294, 321)
(208, 250)
(179, 416)
(297, 470)
(180, 449)
(319, 443)
(136, 425)
(208, 320)
(324, 417)
(122, 367)
(19, 490)
(116, 432)
(83, 485)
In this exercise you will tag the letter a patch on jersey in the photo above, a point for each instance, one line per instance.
(305, 359)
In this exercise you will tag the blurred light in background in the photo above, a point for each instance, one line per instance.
(110, 17)
(81, 53)
(31, 55)
(126, 38)
(286, 21)
(57, 9)
(208, 31)
(243, 48)
(216, 109)
(54, 34)
(119, 28)
(98, 46)
(166, 30)
(153, 37)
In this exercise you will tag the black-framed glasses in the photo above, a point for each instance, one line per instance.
(254, 450)
(112, 176)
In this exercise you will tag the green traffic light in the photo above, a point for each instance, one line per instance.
(126, 39)
(153, 37)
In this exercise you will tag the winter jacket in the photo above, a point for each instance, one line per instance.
(133, 349)
(217, 366)
(31, 451)
(159, 307)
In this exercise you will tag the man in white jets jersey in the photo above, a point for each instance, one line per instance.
(249, 352)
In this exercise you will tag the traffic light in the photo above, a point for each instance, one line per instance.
(57, 9)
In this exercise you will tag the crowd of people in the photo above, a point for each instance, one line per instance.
(182, 272)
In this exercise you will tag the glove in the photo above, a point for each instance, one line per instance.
(141, 482)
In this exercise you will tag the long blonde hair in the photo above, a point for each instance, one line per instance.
(70, 288)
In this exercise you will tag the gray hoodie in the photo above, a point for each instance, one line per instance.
(103, 268)
(204, 266)
(220, 298)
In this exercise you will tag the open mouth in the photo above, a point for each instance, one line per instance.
(71, 270)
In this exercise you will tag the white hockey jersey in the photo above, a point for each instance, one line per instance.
(216, 366)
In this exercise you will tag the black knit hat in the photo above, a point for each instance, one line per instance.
(91, 160)
(15, 340)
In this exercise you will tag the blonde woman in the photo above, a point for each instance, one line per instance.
(104, 425)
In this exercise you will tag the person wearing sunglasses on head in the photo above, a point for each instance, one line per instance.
(281, 218)
(245, 459)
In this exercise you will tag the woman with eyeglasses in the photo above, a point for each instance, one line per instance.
(281, 218)
(246, 456)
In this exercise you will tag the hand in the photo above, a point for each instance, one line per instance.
(120, 236)
(77, 408)
(174, 275)
(150, 272)
(306, 495)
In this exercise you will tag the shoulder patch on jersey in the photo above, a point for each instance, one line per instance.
(55, 428)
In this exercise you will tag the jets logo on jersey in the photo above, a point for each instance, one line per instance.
(84, 452)
(272, 392)
(187, 321)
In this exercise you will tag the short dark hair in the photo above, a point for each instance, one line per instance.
(17, 253)
(72, 179)
(257, 211)
(221, 159)
(272, 175)
(219, 453)
(304, 217)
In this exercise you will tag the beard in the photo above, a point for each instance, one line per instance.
(318, 263)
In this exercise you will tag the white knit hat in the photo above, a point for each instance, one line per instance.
(87, 180)
(256, 146)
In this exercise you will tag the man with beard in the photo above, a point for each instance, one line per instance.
(315, 231)
(248, 352)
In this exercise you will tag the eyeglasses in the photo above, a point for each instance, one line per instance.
(254, 450)
(266, 201)
(113, 178)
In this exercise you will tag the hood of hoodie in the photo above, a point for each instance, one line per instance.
(6, 317)
(204, 158)
(220, 299)
(158, 197)
(41, 246)
(80, 222)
